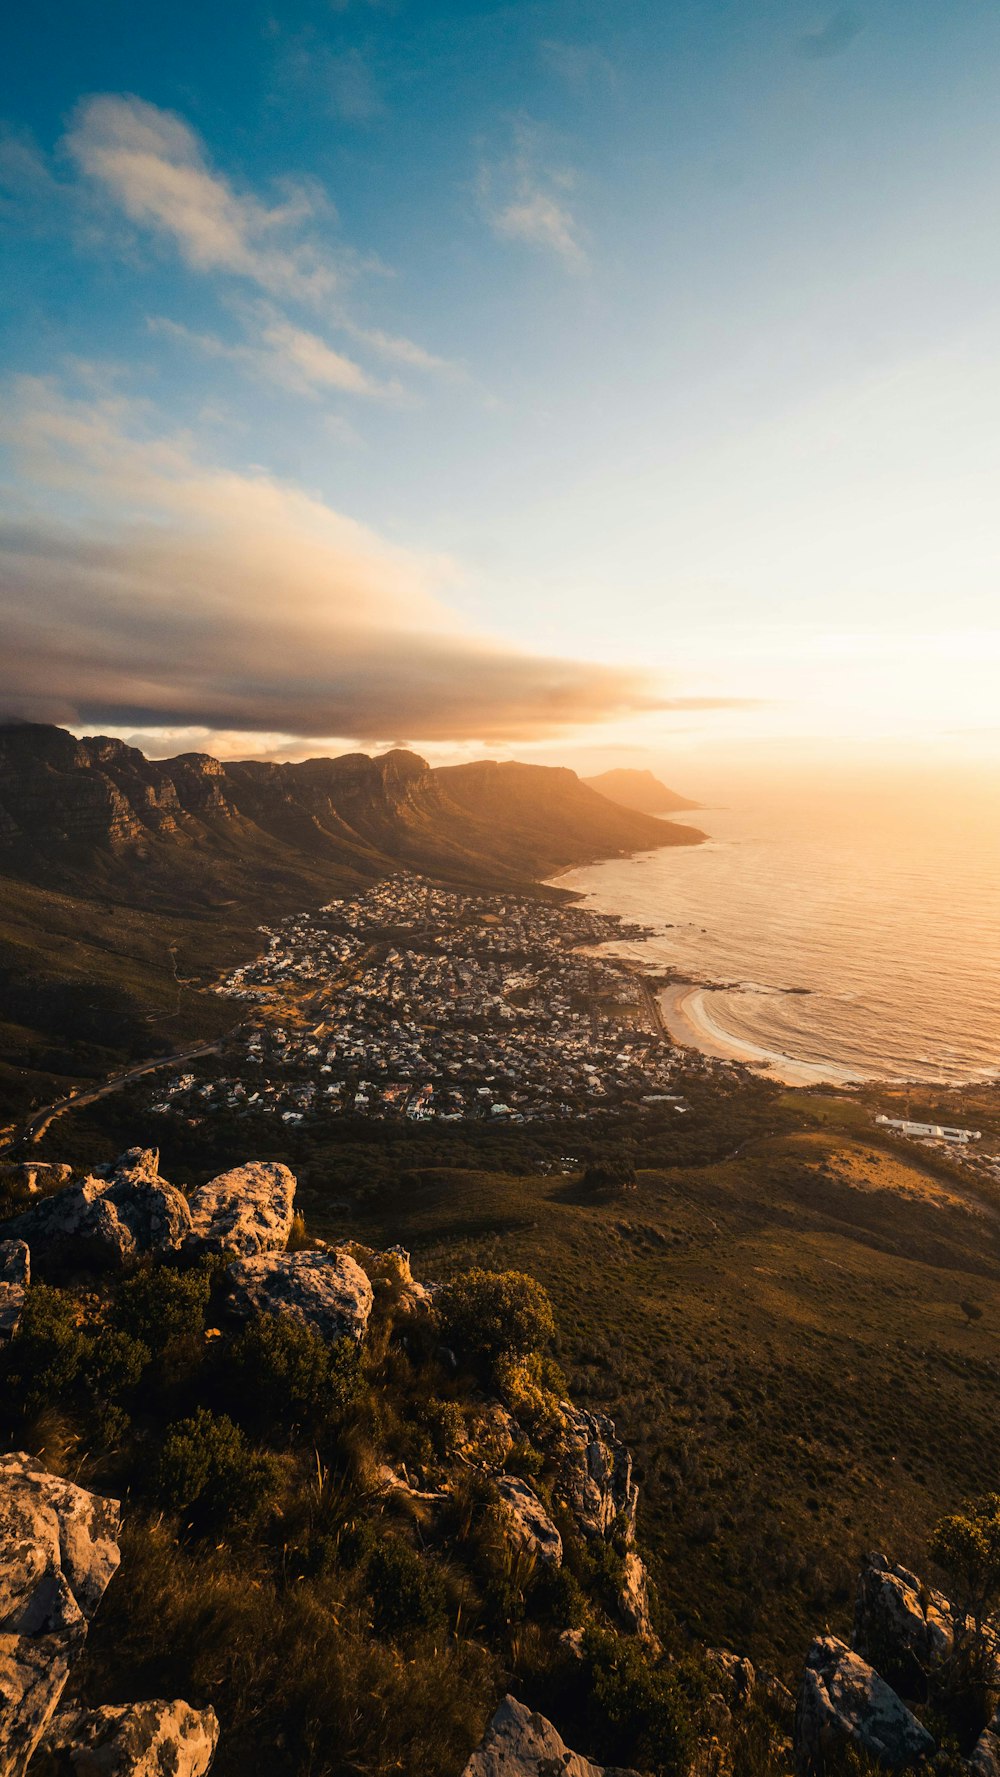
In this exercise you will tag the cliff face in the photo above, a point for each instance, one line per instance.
(69, 805)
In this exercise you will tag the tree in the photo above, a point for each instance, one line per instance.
(967, 1545)
(971, 1310)
(496, 1314)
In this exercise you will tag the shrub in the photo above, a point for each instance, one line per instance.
(496, 1314)
(159, 1305)
(609, 1178)
(278, 1373)
(45, 1361)
(407, 1593)
(639, 1711)
(207, 1467)
(114, 1364)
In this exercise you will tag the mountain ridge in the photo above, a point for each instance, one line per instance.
(640, 791)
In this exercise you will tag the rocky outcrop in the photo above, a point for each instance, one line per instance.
(246, 1211)
(15, 1276)
(106, 1221)
(843, 1703)
(900, 1626)
(733, 1673)
(135, 1740)
(58, 1550)
(520, 1743)
(984, 1759)
(633, 1599)
(596, 1473)
(531, 1528)
(327, 1291)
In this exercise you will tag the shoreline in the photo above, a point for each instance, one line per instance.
(690, 1025)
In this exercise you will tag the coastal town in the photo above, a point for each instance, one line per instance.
(410, 1001)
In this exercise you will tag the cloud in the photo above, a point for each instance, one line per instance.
(832, 38)
(153, 165)
(524, 201)
(340, 79)
(289, 355)
(174, 593)
(580, 65)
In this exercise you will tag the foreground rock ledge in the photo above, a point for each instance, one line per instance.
(844, 1703)
(519, 1743)
(325, 1291)
(153, 1739)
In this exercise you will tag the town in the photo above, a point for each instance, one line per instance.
(418, 1002)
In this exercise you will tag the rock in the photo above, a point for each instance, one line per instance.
(27, 1178)
(596, 1473)
(984, 1759)
(900, 1626)
(15, 1276)
(734, 1675)
(246, 1211)
(106, 1221)
(327, 1291)
(135, 1740)
(414, 1297)
(493, 1433)
(58, 1550)
(518, 1743)
(531, 1527)
(633, 1599)
(844, 1703)
(33, 1674)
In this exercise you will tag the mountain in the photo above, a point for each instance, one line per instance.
(128, 884)
(98, 812)
(638, 790)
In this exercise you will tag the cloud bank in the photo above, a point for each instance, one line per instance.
(154, 589)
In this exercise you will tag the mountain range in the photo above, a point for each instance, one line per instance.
(639, 790)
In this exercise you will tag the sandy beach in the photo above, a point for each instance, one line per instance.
(687, 1016)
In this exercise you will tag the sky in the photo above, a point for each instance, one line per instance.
(560, 380)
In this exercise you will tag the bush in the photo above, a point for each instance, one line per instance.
(207, 1467)
(407, 1593)
(609, 1178)
(44, 1363)
(639, 1711)
(280, 1374)
(159, 1305)
(114, 1364)
(496, 1314)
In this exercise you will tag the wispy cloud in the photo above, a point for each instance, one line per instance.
(153, 166)
(581, 66)
(291, 356)
(186, 594)
(525, 200)
(830, 39)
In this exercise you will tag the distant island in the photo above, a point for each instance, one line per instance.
(640, 791)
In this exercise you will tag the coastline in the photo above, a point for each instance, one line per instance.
(690, 1025)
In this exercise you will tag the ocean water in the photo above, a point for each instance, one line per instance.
(877, 897)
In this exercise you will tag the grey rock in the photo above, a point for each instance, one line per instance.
(633, 1599)
(245, 1211)
(596, 1472)
(531, 1527)
(519, 1743)
(900, 1626)
(106, 1221)
(734, 1675)
(15, 1276)
(843, 1702)
(33, 1674)
(58, 1549)
(152, 1739)
(327, 1291)
(984, 1759)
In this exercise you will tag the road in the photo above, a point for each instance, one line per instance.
(40, 1120)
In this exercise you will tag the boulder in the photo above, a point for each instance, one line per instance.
(530, 1525)
(106, 1221)
(733, 1674)
(520, 1743)
(246, 1211)
(135, 1740)
(595, 1473)
(58, 1550)
(327, 1291)
(844, 1703)
(900, 1626)
(633, 1599)
(15, 1276)
(33, 1674)
(984, 1759)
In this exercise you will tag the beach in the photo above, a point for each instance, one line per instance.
(685, 1007)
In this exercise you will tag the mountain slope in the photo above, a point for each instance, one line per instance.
(639, 790)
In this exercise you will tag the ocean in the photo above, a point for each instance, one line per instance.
(834, 927)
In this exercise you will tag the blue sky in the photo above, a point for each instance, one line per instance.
(543, 377)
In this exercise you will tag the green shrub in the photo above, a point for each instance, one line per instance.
(407, 1593)
(609, 1178)
(44, 1363)
(208, 1468)
(489, 1315)
(114, 1364)
(639, 1712)
(280, 1374)
(159, 1305)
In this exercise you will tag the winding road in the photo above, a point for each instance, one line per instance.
(40, 1120)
